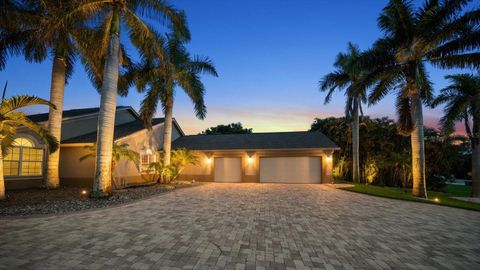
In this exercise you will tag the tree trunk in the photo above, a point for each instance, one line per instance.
(102, 185)
(476, 152)
(2, 179)
(55, 119)
(418, 149)
(167, 132)
(355, 142)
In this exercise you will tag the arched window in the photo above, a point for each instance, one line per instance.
(23, 142)
(23, 159)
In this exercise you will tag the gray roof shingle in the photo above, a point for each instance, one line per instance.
(42, 117)
(120, 131)
(274, 140)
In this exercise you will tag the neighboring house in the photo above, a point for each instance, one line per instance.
(279, 157)
(283, 157)
(25, 164)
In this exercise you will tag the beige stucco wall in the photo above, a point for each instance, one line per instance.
(204, 171)
(74, 172)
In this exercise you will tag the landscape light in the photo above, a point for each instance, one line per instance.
(436, 200)
(84, 192)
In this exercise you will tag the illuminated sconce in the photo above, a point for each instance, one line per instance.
(329, 158)
(250, 157)
(209, 158)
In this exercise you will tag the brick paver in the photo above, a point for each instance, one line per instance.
(249, 226)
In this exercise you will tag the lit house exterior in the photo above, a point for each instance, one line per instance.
(279, 157)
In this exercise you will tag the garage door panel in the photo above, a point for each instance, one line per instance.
(228, 170)
(290, 169)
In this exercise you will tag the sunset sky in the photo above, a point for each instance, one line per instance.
(269, 55)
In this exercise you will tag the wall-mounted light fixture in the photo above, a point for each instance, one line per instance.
(250, 157)
(329, 156)
(209, 157)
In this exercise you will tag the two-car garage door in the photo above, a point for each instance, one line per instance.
(272, 170)
(290, 169)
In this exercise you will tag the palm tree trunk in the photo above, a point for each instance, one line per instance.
(167, 132)
(476, 152)
(355, 142)
(2, 179)
(102, 185)
(418, 149)
(55, 119)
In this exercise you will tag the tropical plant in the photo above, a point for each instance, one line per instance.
(58, 29)
(385, 156)
(462, 99)
(11, 38)
(119, 151)
(159, 77)
(348, 76)
(232, 128)
(113, 15)
(11, 119)
(181, 158)
(437, 32)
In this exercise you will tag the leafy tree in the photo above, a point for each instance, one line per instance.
(160, 76)
(348, 76)
(233, 128)
(129, 14)
(436, 32)
(119, 151)
(385, 156)
(462, 99)
(11, 119)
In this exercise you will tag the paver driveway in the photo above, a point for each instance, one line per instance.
(251, 226)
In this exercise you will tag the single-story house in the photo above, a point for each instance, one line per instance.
(284, 157)
(275, 157)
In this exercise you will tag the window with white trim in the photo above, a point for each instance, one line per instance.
(145, 160)
(23, 159)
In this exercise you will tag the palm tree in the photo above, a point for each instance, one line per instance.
(57, 28)
(119, 151)
(437, 33)
(462, 98)
(114, 14)
(348, 76)
(160, 77)
(11, 119)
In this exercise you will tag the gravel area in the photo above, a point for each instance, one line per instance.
(72, 199)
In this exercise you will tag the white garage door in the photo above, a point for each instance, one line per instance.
(228, 170)
(290, 169)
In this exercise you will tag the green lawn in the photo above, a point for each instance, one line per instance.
(441, 198)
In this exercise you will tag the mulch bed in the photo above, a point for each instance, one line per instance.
(70, 199)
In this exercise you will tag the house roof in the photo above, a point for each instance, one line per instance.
(274, 140)
(42, 117)
(121, 131)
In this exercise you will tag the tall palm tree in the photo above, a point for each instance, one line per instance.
(119, 151)
(11, 119)
(114, 14)
(435, 33)
(462, 99)
(159, 78)
(59, 29)
(349, 76)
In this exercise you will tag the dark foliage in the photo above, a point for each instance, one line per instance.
(233, 128)
(385, 156)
